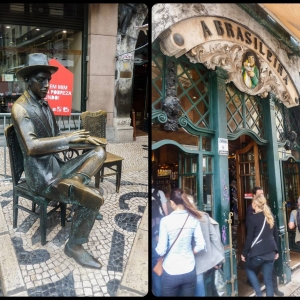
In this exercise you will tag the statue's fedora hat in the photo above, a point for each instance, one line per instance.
(35, 62)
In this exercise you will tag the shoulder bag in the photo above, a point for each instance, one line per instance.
(158, 268)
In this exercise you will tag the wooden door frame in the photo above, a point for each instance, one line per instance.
(240, 192)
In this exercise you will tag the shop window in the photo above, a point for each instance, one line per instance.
(243, 111)
(191, 83)
(279, 120)
(57, 43)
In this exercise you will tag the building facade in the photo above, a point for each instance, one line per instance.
(97, 42)
(225, 118)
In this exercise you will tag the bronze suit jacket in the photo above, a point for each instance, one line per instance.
(38, 144)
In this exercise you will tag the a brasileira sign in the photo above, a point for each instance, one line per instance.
(252, 65)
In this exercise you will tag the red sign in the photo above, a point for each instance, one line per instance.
(60, 91)
(248, 196)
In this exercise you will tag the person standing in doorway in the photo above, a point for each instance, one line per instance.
(295, 222)
(258, 190)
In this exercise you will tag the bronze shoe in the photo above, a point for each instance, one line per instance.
(82, 257)
(87, 196)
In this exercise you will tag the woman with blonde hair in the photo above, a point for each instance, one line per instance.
(261, 245)
(179, 273)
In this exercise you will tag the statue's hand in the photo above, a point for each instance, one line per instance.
(77, 136)
(96, 140)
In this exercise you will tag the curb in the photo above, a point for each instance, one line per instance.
(137, 265)
(10, 273)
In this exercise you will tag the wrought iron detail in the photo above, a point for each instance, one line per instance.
(289, 136)
(171, 104)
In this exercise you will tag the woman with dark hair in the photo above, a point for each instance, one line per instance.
(179, 274)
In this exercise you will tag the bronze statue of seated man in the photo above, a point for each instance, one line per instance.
(46, 173)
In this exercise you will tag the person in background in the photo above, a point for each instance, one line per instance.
(213, 258)
(162, 200)
(262, 252)
(179, 272)
(166, 188)
(293, 222)
(16, 88)
(258, 190)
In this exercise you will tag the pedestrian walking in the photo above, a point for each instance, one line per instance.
(258, 190)
(179, 271)
(261, 245)
(212, 259)
(166, 188)
(158, 210)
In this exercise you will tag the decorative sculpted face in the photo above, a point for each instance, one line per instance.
(251, 60)
(171, 106)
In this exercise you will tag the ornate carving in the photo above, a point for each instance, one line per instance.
(171, 46)
(289, 136)
(125, 13)
(230, 58)
(171, 104)
(122, 121)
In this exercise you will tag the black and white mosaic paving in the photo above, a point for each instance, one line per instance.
(47, 271)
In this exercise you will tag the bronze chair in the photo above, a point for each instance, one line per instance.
(95, 123)
(21, 189)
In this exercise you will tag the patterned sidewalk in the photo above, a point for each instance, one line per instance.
(47, 271)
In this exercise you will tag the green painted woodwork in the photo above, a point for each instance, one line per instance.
(221, 199)
(275, 188)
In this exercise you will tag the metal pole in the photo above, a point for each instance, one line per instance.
(229, 221)
(133, 124)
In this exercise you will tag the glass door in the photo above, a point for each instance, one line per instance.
(248, 176)
(291, 189)
(188, 168)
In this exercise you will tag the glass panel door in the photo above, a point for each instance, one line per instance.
(248, 176)
(188, 167)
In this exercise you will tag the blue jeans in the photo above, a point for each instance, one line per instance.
(200, 288)
(183, 285)
(156, 280)
(267, 270)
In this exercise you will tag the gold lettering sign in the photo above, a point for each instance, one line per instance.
(218, 42)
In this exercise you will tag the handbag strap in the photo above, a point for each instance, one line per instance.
(259, 233)
(176, 237)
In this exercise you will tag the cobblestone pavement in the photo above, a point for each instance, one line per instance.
(296, 293)
(46, 270)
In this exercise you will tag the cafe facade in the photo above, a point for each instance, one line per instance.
(96, 42)
(225, 118)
